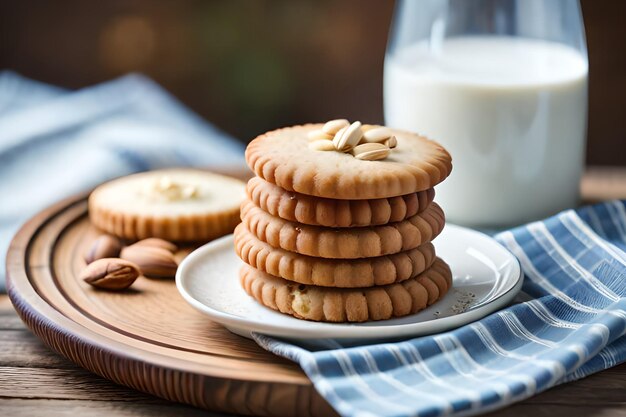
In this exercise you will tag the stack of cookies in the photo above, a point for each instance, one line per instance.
(338, 222)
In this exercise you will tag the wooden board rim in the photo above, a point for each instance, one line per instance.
(67, 337)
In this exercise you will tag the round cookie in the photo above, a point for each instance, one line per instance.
(348, 305)
(318, 211)
(284, 158)
(172, 204)
(342, 273)
(348, 243)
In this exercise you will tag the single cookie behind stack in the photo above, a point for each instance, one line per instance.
(338, 222)
(176, 204)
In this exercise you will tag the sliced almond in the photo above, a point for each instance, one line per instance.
(319, 135)
(339, 134)
(370, 151)
(392, 142)
(377, 135)
(322, 145)
(165, 183)
(347, 139)
(333, 126)
(189, 191)
(367, 127)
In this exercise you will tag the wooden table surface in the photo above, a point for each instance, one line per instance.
(35, 381)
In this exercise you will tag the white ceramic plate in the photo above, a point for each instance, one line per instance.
(486, 278)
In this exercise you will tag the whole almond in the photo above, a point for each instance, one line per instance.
(334, 126)
(322, 145)
(156, 242)
(376, 135)
(347, 139)
(105, 246)
(370, 151)
(152, 261)
(319, 135)
(110, 273)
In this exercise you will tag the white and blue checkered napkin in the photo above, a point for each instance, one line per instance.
(55, 143)
(572, 326)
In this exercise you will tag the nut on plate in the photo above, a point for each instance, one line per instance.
(105, 246)
(154, 262)
(110, 273)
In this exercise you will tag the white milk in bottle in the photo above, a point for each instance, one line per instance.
(511, 112)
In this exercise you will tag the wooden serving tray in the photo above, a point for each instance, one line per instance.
(147, 338)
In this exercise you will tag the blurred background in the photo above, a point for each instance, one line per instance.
(253, 66)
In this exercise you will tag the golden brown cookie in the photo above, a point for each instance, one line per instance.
(347, 243)
(318, 211)
(284, 158)
(172, 204)
(347, 304)
(343, 273)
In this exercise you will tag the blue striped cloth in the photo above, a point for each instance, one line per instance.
(572, 325)
(55, 142)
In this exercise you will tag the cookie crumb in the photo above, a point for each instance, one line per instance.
(465, 300)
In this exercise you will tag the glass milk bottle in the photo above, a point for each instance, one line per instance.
(502, 84)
